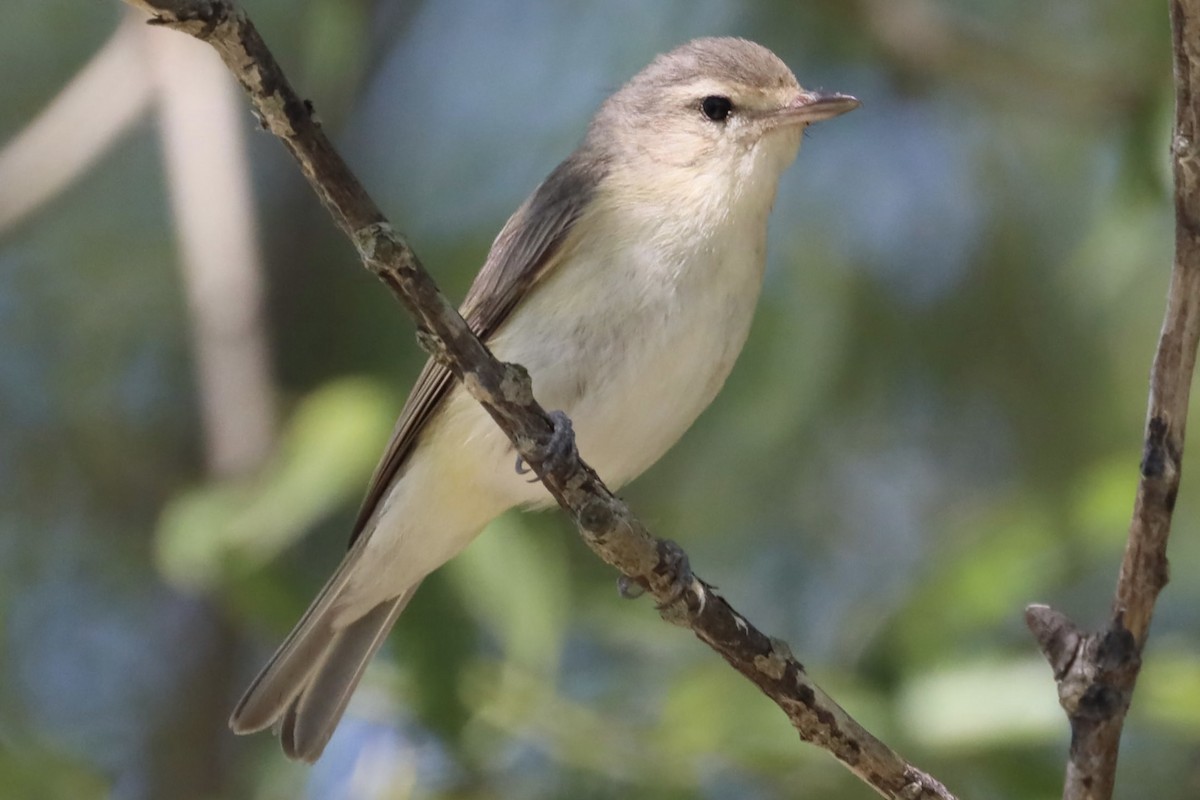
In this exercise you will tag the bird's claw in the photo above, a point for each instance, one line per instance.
(557, 451)
(562, 442)
(629, 588)
(673, 563)
(524, 469)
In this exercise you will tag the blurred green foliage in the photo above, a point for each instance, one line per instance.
(323, 459)
(936, 421)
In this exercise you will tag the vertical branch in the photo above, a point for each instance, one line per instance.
(1144, 569)
(1097, 672)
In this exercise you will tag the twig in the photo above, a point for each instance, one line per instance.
(605, 523)
(1097, 672)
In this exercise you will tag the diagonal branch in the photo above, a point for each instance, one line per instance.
(1097, 672)
(605, 522)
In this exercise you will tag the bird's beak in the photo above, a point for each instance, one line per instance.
(814, 107)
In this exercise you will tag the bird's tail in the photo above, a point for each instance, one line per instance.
(305, 687)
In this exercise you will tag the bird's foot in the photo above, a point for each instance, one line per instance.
(522, 468)
(629, 588)
(557, 451)
(672, 563)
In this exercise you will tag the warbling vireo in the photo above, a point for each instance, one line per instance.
(625, 285)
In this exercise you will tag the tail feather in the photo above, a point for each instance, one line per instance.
(315, 711)
(305, 687)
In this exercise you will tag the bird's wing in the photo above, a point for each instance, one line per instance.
(527, 249)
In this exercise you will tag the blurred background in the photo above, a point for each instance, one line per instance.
(936, 421)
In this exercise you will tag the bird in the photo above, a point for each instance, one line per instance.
(625, 284)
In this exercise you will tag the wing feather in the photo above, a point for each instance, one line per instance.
(528, 248)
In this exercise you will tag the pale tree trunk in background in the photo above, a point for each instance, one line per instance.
(209, 182)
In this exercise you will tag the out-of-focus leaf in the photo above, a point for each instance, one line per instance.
(709, 710)
(1104, 504)
(974, 705)
(525, 707)
(1006, 560)
(1169, 688)
(331, 443)
(335, 53)
(38, 775)
(514, 579)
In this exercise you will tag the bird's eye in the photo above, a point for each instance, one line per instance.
(716, 107)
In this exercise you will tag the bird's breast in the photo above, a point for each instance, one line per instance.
(633, 340)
